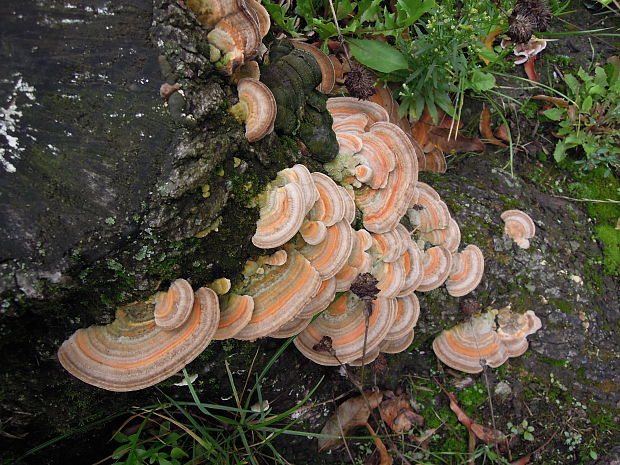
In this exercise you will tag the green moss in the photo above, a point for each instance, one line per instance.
(553, 361)
(594, 185)
(563, 306)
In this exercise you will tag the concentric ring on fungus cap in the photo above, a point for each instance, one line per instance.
(407, 314)
(175, 306)
(279, 293)
(132, 352)
(344, 322)
(436, 264)
(467, 271)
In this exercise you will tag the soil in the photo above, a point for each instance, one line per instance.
(567, 386)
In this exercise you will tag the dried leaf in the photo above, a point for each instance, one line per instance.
(398, 414)
(502, 133)
(485, 128)
(530, 71)
(484, 433)
(384, 457)
(350, 414)
(560, 102)
(435, 161)
(423, 440)
(443, 139)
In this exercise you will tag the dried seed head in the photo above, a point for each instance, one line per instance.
(528, 16)
(365, 286)
(520, 29)
(324, 345)
(469, 307)
(359, 82)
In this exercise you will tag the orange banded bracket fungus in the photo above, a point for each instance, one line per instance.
(519, 227)
(257, 107)
(174, 307)
(467, 271)
(470, 345)
(283, 207)
(344, 322)
(133, 352)
(280, 292)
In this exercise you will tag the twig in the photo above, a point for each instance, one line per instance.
(586, 200)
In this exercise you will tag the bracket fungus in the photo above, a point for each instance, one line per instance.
(279, 292)
(467, 271)
(436, 265)
(175, 306)
(133, 352)
(519, 227)
(256, 107)
(344, 322)
(478, 341)
(236, 30)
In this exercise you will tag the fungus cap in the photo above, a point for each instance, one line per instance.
(396, 346)
(519, 227)
(279, 294)
(467, 271)
(407, 314)
(341, 107)
(320, 300)
(330, 255)
(513, 328)
(257, 107)
(133, 352)
(344, 322)
(327, 67)
(235, 313)
(175, 306)
(281, 216)
(436, 264)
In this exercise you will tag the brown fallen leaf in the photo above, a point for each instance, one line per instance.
(560, 102)
(530, 70)
(423, 440)
(618, 225)
(397, 413)
(384, 457)
(350, 414)
(484, 433)
(502, 133)
(443, 139)
(485, 128)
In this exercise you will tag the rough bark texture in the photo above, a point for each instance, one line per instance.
(103, 189)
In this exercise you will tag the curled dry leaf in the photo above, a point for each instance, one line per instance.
(530, 70)
(397, 413)
(560, 102)
(446, 141)
(485, 128)
(484, 433)
(383, 457)
(352, 413)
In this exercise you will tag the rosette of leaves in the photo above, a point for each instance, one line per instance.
(590, 118)
(292, 76)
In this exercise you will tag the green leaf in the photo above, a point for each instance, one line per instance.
(586, 106)
(177, 453)
(377, 55)
(482, 81)
(528, 436)
(554, 114)
(488, 54)
(305, 9)
(277, 14)
(572, 83)
(409, 11)
(600, 76)
(597, 90)
(560, 151)
(344, 9)
(369, 9)
(593, 455)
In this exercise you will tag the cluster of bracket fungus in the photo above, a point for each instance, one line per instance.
(519, 227)
(236, 29)
(292, 75)
(135, 351)
(486, 339)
